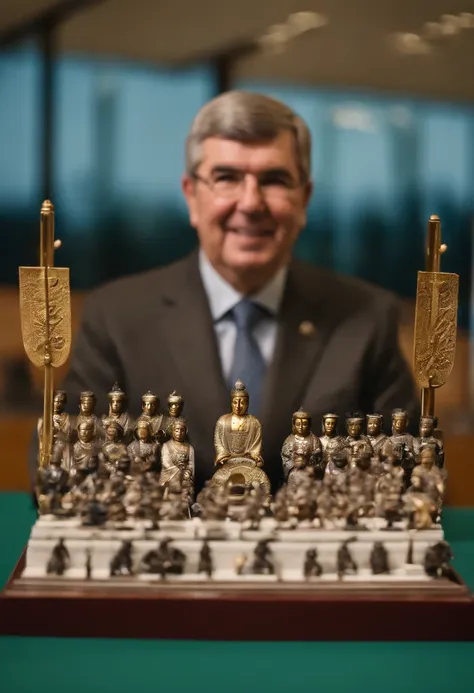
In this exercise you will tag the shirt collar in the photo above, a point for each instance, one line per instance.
(223, 297)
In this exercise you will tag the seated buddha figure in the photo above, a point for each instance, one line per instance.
(238, 435)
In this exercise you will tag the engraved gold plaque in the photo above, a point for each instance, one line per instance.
(435, 327)
(33, 306)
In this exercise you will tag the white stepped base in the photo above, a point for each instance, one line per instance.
(289, 549)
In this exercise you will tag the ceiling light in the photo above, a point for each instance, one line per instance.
(466, 20)
(432, 30)
(449, 24)
(305, 21)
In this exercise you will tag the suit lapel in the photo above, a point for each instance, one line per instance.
(189, 332)
(304, 324)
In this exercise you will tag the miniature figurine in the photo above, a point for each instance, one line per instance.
(375, 432)
(254, 508)
(86, 447)
(360, 493)
(164, 560)
(150, 412)
(62, 426)
(118, 413)
(177, 462)
(312, 567)
(205, 560)
(87, 404)
(52, 482)
(426, 437)
(262, 562)
(331, 441)
(95, 512)
(419, 506)
(303, 439)
(338, 462)
(238, 435)
(434, 477)
(113, 448)
(144, 451)
(400, 444)
(213, 501)
(437, 562)
(345, 561)
(379, 559)
(356, 442)
(122, 562)
(60, 559)
(300, 469)
(388, 493)
(175, 410)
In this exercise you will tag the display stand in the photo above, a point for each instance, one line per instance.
(440, 610)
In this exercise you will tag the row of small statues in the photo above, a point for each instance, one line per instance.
(169, 560)
(370, 488)
(161, 443)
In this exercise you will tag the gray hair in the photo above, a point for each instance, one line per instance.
(247, 117)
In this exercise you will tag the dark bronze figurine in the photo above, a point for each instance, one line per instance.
(263, 559)
(312, 567)
(375, 432)
(60, 560)
(122, 562)
(345, 561)
(303, 440)
(205, 560)
(379, 559)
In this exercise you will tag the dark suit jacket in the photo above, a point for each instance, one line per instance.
(154, 331)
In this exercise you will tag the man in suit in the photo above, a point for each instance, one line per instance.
(304, 337)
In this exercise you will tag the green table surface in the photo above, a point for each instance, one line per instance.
(87, 665)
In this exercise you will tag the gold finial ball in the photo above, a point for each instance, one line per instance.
(47, 207)
(434, 217)
(307, 328)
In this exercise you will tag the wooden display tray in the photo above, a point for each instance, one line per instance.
(435, 611)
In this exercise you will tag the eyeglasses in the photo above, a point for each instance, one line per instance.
(229, 183)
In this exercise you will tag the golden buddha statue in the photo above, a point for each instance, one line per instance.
(238, 444)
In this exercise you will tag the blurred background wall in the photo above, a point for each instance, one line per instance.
(383, 161)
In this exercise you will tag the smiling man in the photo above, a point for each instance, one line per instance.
(241, 307)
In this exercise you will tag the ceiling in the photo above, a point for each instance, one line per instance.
(356, 47)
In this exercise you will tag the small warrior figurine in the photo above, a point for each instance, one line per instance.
(301, 468)
(331, 442)
(355, 440)
(86, 447)
(312, 567)
(165, 559)
(338, 462)
(434, 477)
(262, 562)
(117, 412)
(437, 561)
(238, 435)
(175, 411)
(60, 559)
(426, 437)
(87, 404)
(122, 562)
(379, 559)
(345, 561)
(205, 560)
(151, 412)
(307, 443)
(114, 447)
(62, 426)
(177, 462)
(52, 481)
(144, 451)
(375, 433)
(401, 444)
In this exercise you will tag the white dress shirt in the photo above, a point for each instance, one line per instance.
(223, 297)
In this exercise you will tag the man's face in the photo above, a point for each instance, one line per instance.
(174, 408)
(87, 405)
(239, 405)
(373, 426)
(301, 426)
(399, 424)
(354, 428)
(116, 406)
(85, 433)
(149, 408)
(256, 227)
(426, 428)
(142, 432)
(58, 404)
(330, 426)
(179, 432)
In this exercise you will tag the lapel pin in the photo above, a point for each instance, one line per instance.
(307, 328)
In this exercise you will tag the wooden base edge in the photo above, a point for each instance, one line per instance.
(191, 613)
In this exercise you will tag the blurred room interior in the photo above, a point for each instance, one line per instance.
(96, 97)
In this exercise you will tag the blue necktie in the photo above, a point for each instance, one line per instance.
(248, 364)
